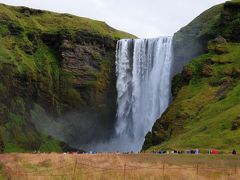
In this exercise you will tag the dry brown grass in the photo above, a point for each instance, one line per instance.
(118, 166)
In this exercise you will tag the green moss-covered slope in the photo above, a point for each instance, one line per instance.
(205, 112)
(59, 62)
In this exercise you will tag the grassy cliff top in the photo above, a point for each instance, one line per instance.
(31, 19)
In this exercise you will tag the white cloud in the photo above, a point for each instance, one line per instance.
(140, 17)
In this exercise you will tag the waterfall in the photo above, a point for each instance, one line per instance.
(143, 69)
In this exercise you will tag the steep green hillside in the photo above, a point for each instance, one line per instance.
(205, 112)
(58, 63)
(191, 41)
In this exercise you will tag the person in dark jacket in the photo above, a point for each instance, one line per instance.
(234, 152)
(1, 146)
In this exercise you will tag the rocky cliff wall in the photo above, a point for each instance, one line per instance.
(57, 79)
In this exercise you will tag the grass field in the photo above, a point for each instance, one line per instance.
(118, 166)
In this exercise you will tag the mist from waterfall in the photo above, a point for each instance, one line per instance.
(143, 69)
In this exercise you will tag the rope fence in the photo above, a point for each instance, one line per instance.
(93, 169)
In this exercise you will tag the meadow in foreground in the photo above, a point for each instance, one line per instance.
(118, 166)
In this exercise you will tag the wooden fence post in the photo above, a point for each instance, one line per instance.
(74, 169)
(236, 171)
(163, 170)
(197, 170)
(124, 171)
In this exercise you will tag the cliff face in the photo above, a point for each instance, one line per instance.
(191, 41)
(56, 66)
(205, 109)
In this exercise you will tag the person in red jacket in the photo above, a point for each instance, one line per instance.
(214, 152)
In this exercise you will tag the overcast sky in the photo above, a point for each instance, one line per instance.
(143, 18)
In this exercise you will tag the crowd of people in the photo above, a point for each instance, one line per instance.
(195, 151)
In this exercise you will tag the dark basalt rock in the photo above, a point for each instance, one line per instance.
(51, 39)
(226, 84)
(14, 29)
(207, 70)
(28, 11)
(187, 74)
(236, 124)
(218, 45)
(219, 40)
(229, 22)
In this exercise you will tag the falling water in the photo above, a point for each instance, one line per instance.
(143, 69)
(143, 86)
